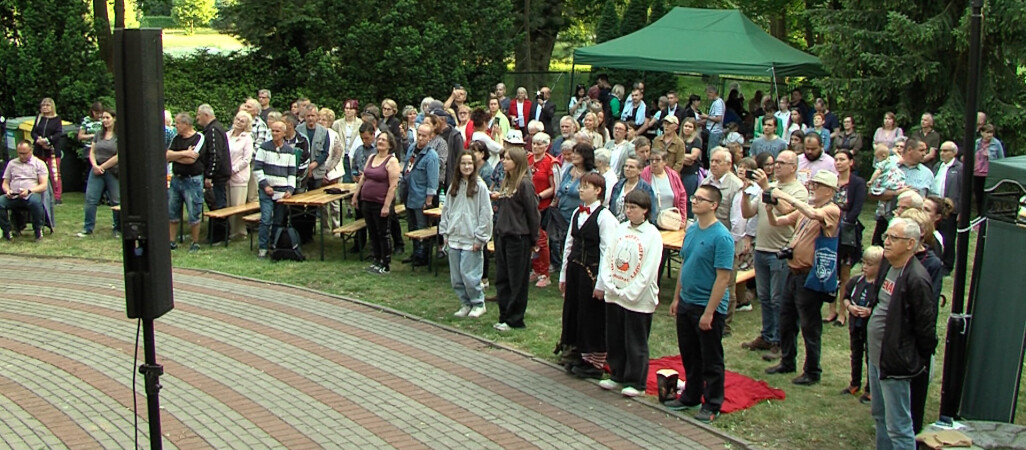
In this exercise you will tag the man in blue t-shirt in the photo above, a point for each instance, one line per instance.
(700, 305)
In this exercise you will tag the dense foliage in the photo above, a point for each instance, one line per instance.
(48, 50)
(403, 49)
(912, 57)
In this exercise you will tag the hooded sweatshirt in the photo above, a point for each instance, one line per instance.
(467, 221)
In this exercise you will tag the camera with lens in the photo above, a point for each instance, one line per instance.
(785, 253)
(768, 198)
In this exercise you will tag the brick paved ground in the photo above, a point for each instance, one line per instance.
(256, 365)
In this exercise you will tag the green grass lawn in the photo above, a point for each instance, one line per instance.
(810, 418)
(177, 42)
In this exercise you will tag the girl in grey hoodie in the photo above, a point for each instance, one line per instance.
(466, 226)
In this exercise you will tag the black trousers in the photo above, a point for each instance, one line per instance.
(879, 230)
(701, 353)
(627, 345)
(513, 269)
(378, 229)
(859, 355)
(917, 392)
(800, 307)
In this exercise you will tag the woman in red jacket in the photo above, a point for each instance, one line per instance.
(519, 110)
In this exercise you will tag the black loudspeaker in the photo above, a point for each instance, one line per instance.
(142, 161)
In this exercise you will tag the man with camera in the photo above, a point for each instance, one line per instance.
(770, 272)
(803, 297)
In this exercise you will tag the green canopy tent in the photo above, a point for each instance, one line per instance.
(702, 41)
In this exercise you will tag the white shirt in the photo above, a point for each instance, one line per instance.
(520, 113)
(940, 180)
(607, 224)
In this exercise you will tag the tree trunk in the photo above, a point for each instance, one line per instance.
(119, 13)
(534, 52)
(104, 39)
(810, 36)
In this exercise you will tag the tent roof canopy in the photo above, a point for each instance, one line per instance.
(706, 41)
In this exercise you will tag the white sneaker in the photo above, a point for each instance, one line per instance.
(630, 392)
(484, 284)
(477, 311)
(262, 253)
(747, 307)
(609, 384)
(464, 310)
(502, 327)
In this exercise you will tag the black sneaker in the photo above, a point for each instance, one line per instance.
(7, 236)
(866, 398)
(586, 372)
(706, 416)
(174, 245)
(194, 248)
(38, 234)
(677, 405)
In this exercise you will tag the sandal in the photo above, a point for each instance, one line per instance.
(832, 319)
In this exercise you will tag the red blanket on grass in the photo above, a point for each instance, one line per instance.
(740, 392)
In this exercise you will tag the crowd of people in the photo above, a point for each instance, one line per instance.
(770, 188)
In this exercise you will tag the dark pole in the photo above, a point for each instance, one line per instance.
(958, 322)
(151, 372)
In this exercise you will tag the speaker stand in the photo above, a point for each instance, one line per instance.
(151, 372)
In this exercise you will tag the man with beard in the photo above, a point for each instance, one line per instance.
(814, 159)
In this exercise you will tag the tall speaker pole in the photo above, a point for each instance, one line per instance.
(139, 89)
(958, 322)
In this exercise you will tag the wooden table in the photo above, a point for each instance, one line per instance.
(672, 242)
(318, 199)
(225, 213)
(433, 213)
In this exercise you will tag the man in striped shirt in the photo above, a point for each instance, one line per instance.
(275, 170)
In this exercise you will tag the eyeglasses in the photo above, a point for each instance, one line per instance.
(388, 108)
(718, 161)
(891, 237)
(695, 198)
(782, 163)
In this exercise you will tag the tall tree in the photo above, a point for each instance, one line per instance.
(635, 17)
(609, 23)
(911, 58)
(192, 13)
(104, 38)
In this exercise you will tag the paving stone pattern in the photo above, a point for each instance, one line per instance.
(257, 365)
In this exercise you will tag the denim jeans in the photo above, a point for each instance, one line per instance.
(271, 212)
(691, 182)
(415, 220)
(34, 204)
(188, 191)
(891, 409)
(95, 188)
(714, 140)
(770, 275)
(465, 268)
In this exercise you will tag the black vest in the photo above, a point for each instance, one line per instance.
(585, 251)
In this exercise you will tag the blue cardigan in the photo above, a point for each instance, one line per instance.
(422, 181)
(644, 187)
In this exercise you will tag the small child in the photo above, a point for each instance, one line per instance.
(733, 135)
(857, 296)
(887, 176)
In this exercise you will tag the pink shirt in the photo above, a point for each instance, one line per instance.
(241, 149)
(25, 175)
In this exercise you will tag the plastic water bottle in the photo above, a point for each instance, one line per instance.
(441, 198)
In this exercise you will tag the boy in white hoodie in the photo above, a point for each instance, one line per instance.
(630, 273)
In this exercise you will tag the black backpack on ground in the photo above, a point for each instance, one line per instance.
(285, 245)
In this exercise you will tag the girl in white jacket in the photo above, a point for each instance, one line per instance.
(466, 226)
(630, 273)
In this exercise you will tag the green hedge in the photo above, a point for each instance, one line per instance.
(158, 22)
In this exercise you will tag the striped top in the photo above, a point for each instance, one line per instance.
(275, 167)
